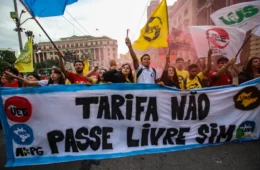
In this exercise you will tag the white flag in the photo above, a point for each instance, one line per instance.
(256, 31)
(224, 41)
(243, 15)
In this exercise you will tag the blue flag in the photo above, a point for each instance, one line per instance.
(47, 8)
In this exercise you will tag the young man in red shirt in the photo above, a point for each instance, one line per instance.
(78, 77)
(10, 81)
(222, 76)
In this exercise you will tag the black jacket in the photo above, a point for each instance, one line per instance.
(244, 77)
(114, 76)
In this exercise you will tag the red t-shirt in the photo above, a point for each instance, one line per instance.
(225, 79)
(13, 85)
(76, 79)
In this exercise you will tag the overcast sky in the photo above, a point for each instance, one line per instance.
(111, 17)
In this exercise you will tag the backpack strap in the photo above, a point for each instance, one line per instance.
(139, 73)
(185, 83)
(199, 80)
(154, 70)
(141, 70)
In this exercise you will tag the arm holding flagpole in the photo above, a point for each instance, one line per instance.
(207, 70)
(61, 65)
(132, 53)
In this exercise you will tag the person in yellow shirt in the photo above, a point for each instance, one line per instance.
(182, 74)
(195, 78)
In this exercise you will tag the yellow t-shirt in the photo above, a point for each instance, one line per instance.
(183, 74)
(67, 81)
(194, 83)
(95, 81)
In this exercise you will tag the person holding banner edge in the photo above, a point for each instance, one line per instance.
(56, 78)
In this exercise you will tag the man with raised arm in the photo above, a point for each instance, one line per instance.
(144, 73)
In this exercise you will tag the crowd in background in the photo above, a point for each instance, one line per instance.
(175, 74)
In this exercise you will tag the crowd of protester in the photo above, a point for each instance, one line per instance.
(194, 76)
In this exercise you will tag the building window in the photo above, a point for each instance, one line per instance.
(81, 44)
(114, 49)
(67, 45)
(51, 53)
(108, 49)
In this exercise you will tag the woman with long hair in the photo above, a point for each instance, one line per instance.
(56, 78)
(99, 80)
(169, 76)
(251, 71)
(125, 75)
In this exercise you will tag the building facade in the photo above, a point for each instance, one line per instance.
(100, 49)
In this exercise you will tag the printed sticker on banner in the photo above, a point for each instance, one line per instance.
(22, 134)
(247, 98)
(18, 109)
(245, 129)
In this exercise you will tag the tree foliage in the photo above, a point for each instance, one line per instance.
(7, 58)
(47, 64)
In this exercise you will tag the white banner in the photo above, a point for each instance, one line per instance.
(224, 41)
(65, 123)
(244, 15)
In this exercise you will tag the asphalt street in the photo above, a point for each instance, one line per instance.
(236, 156)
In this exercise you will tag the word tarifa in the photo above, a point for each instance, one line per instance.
(239, 15)
(190, 107)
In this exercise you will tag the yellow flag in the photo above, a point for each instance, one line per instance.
(24, 63)
(85, 71)
(155, 32)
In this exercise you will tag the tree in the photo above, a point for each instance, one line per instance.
(8, 56)
(3, 64)
(47, 64)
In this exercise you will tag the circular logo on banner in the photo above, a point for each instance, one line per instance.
(245, 129)
(247, 98)
(218, 37)
(153, 28)
(18, 109)
(22, 134)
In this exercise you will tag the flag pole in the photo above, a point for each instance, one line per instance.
(257, 27)
(41, 27)
(169, 49)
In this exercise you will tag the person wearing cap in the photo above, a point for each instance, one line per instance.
(222, 76)
(144, 73)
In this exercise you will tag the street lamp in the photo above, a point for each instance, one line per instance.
(17, 20)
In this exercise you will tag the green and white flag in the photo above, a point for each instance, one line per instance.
(243, 15)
